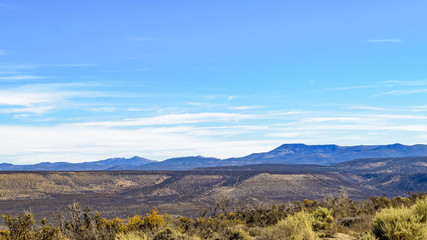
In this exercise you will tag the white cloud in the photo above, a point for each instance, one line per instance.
(38, 110)
(329, 119)
(3, 53)
(245, 107)
(30, 95)
(103, 109)
(419, 108)
(210, 134)
(82, 143)
(368, 108)
(171, 119)
(20, 77)
(349, 88)
(42, 98)
(403, 92)
(18, 116)
(389, 40)
(141, 109)
(392, 83)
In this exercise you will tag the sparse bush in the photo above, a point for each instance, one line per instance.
(398, 224)
(237, 233)
(169, 233)
(367, 236)
(132, 236)
(323, 219)
(153, 220)
(20, 227)
(4, 234)
(420, 209)
(295, 227)
(307, 220)
(48, 233)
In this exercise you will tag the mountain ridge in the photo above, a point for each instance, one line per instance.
(296, 153)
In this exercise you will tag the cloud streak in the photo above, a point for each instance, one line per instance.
(245, 107)
(216, 134)
(403, 92)
(20, 77)
(173, 119)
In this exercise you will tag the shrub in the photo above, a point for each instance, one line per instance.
(134, 224)
(153, 220)
(169, 233)
(20, 227)
(420, 209)
(131, 236)
(48, 233)
(323, 219)
(237, 233)
(367, 236)
(397, 224)
(4, 234)
(295, 227)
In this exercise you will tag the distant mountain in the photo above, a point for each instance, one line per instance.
(183, 163)
(330, 154)
(85, 166)
(285, 154)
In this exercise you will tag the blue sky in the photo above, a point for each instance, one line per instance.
(88, 80)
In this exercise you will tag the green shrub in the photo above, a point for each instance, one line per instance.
(48, 233)
(295, 227)
(237, 233)
(398, 224)
(323, 219)
(420, 209)
(20, 227)
(131, 236)
(367, 236)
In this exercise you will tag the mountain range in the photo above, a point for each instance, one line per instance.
(325, 155)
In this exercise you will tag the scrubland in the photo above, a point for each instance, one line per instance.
(398, 218)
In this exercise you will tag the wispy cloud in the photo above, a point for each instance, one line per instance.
(30, 95)
(38, 110)
(419, 108)
(388, 40)
(103, 109)
(245, 107)
(21, 77)
(23, 67)
(349, 87)
(3, 53)
(42, 98)
(173, 119)
(392, 83)
(142, 109)
(211, 134)
(387, 85)
(403, 92)
(368, 108)
(84, 143)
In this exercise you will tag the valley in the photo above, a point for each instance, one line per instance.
(127, 193)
